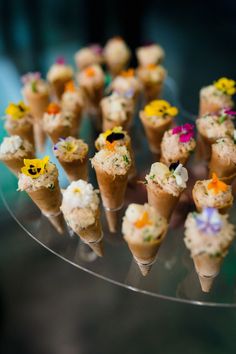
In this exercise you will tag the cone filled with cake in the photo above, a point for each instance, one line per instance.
(178, 144)
(212, 193)
(57, 123)
(208, 236)
(80, 207)
(93, 54)
(39, 178)
(223, 159)
(72, 154)
(19, 121)
(13, 151)
(157, 117)
(150, 54)
(58, 75)
(212, 127)
(152, 78)
(117, 55)
(36, 93)
(112, 165)
(164, 187)
(217, 96)
(144, 230)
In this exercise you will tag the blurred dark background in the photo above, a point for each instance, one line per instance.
(47, 306)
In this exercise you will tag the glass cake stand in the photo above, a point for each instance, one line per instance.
(172, 277)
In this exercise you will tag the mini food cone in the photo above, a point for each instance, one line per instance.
(76, 121)
(49, 201)
(108, 124)
(15, 164)
(38, 103)
(163, 202)
(144, 253)
(62, 131)
(93, 95)
(208, 107)
(75, 170)
(224, 169)
(152, 91)
(203, 150)
(25, 132)
(112, 188)
(58, 87)
(155, 134)
(207, 269)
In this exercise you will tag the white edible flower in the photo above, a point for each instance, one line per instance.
(80, 194)
(11, 144)
(181, 175)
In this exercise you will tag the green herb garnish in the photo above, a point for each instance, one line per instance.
(222, 118)
(51, 187)
(125, 158)
(34, 86)
(152, 176)
(148, 238)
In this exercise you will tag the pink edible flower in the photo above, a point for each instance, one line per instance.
(185, 132)
(96, 48)
(25, 79)
(60, 61)
(230, 112)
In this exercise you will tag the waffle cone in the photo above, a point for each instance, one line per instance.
(15, 164)
(208, 107)
(61, 131)
(76, 121)
(25, 132)
(222, 210)
(110, 124)
(49, 202)
(58, 87)
(38, 103)
(154, 134)
(152, 91)
(203, 150)
(163, 202)
(93, 96)
(75, 170)
(39, 135)
(207, 269)
(224, 169)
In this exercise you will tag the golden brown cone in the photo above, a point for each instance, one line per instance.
(15, 164)
(76, 121)
(152, 91)
(207, 269)
(163, 202)
(112, 188)
(109, 124)
(203, 149)
(224, 169)
(25, 132)
(223, 210)
(75, 170)
(61, 132)
(154, 134)
(93, 96)
(58, 87)
(206, 107)
(39, 135)
(49, 202)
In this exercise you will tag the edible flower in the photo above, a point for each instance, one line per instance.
(89, 71)
(160, 108)
(185, 132)
(151, 66)
(226, 86)
(230, 112)
(17, 110)
(96, 48)
(216, 185)
(27, 78)
(114, 130)
(143, 221)
(181, 175)
(53, 108)
(110, 146)
(35, 167)
(60, 60)
(70, 86)
(67, 145)
(127, 73)
(208, 221)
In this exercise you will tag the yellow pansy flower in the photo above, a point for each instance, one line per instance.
(69, 146)
(225, 85)
(17, 110)
(35, 167)
(110, 131)
(160, 108)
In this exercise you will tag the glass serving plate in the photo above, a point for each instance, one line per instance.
(172, 277)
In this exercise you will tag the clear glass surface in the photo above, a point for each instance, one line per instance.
(172, 277)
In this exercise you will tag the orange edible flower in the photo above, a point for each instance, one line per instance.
(110, 146)
(127, 73)
(143, 221)
(151, 66)
(70, 86)
(217, 185)
(90, 72)
(53, 108)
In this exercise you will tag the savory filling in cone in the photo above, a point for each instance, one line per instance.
(55, 118)
(91, 78)
(34, 85)
(223, 158)
(89, 56)
(113, 159)
(217, 96)
(117, 54)
(72, 98)
(212, 193)
(151, 74)
(15, 148)
(80, 205)
(127, 84)
(142, 225)
(150, 54)
(208, 233)
(171, 179)
(59, 72)
(177, 144)
(116, 109)
(215, 126)
(116, 134)
(70, 149)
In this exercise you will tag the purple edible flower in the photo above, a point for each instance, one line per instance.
(29, 77)
(209, 221)
(60, 60)
(96, 48)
